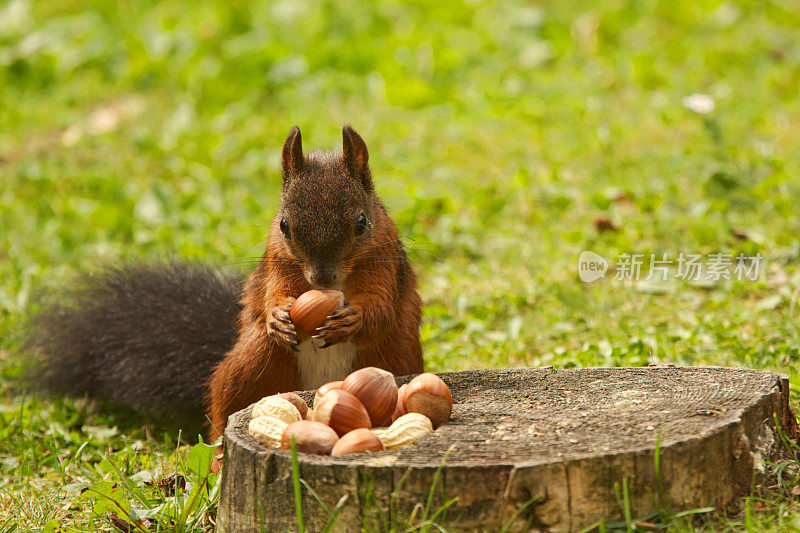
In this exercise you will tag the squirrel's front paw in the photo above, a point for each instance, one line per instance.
(282, 329)
(340, 326)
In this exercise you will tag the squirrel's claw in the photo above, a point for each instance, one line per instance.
(282, 314)
(290, 339)
(287, 338)
(282, 329)
(325, 341)
(320, 338)
(340, 326)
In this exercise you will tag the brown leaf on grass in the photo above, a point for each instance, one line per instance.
(169, 484)
(602, 224)
(120, 524)
(623, 198)
(740, 234)
(104, 119)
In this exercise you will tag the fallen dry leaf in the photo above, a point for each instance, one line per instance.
(740, 234)
(104, 119)
(623, 198)
(169, 484)
(604, 224)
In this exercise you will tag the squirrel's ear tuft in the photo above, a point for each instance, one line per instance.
(355, 156)
(293, 159)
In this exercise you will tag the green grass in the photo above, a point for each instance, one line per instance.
(498, 132)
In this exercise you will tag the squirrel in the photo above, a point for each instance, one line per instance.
(185, 340)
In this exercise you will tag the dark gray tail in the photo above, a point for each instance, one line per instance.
(146, 337)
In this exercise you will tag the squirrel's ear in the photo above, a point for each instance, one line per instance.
(355, 155)
(293, 159)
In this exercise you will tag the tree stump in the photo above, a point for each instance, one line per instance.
(556, 440)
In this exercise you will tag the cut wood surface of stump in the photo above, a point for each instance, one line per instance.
(550, 442)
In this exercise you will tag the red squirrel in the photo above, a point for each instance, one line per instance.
(185, 341)
(331, 232)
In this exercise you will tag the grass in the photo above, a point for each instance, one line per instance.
(499, 134)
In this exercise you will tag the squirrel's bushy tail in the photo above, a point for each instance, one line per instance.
(145, 337)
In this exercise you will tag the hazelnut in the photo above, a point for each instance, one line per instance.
(399, 409)
(323, 390)
(311, 309)
(357, 441)
(277, 407)
(297, 401)
(376, 390)
(429, 395)
(342, 411)
(309, 437)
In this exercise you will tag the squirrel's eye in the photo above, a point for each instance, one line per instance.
(285, 228)
(361, 224)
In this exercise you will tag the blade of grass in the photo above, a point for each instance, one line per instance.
(690, 512)
(518, 512)
(393, 499)
(432, 489)
(624, 503)
(597, 525)
(335, 514)
(298, 501)
(129, 487)
(442, 509)
(316, 496)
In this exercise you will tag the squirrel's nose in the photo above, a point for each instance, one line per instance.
(327, 278)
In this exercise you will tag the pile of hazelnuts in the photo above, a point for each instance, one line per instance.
(366, 412)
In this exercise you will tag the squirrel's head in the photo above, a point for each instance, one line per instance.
(328, 208)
